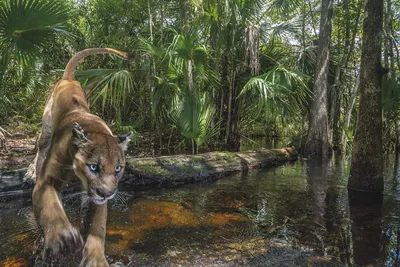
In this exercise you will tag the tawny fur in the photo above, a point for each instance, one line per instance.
(69, 72)
(71, 140)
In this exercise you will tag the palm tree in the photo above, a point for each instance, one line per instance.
(177, 96)
(236, 30)
(227, 22)
(26, 28)
(215, 59)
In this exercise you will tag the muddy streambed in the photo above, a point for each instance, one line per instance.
(297, 214)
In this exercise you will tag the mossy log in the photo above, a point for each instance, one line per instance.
(172, 170)
(180, 169)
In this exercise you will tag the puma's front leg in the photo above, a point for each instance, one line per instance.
(60, 237)
(96, 221)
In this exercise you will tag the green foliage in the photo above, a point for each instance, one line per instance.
(283, 7)
(193, 64)
(390, 94)
(26, 26)
(194, 117)
(112, 86)
(283, 88)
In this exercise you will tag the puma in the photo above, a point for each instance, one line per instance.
(75, 145)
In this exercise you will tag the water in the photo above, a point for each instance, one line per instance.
(294, 215)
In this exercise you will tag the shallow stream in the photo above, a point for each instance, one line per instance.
(293, 215)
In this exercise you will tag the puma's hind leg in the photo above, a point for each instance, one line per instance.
(43, 145)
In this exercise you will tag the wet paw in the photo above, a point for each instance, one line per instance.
(65, 243)
(30, 175)
(88, 261)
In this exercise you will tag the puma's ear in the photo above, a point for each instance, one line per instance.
(124, 139)
(79, 136)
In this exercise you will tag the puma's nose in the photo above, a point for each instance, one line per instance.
(104, 193)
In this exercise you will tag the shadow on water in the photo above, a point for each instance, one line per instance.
(300, 214)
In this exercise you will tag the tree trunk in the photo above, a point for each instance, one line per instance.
(335, 96)
(366, 172)
(349, 110)
(389, 56)
(338, 132)
(190, 76)
(224, 97)
(394, 44)
(233, 138)
(318, 140)
(230, 103)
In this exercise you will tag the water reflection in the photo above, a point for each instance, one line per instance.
(295, 215)
(337, 214)
(366, 227)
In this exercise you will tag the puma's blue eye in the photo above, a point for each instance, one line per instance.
(93, 167)
(118, 169)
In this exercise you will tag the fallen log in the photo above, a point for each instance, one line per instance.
(177, 169)
(181, 169)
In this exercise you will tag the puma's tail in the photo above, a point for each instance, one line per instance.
(69, 72)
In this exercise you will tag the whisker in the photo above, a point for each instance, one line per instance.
(120, 201)
(85, 200)
(123, 201)
(74, 195)
(124, 194)
(124, 198)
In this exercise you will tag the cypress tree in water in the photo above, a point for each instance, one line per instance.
(366, 172)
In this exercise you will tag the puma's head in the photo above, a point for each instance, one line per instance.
(99, 162)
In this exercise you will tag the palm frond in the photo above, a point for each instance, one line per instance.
(390, 94)
(283, 7)
(286, 89)
(147, 48)
(112, 86)
(195, 117)
(287, 29)
(26, 26)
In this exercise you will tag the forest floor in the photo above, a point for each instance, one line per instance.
(20, 152)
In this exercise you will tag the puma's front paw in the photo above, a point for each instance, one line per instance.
(93, 253)
(30, 175)
(99, 261)
(93, 260)
(61, 243)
